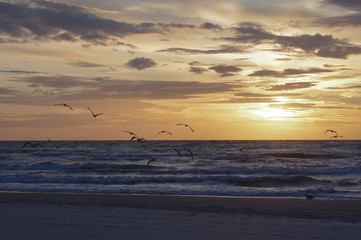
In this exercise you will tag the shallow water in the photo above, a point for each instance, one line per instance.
(329, 169)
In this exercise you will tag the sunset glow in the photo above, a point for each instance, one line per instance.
(230, 69)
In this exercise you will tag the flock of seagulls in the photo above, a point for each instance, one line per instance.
(141, 139)
(68, 106)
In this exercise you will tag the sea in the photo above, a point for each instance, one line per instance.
(327, 169)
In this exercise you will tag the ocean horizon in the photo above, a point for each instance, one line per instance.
(326, 169)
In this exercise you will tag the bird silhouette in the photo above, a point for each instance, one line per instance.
(137, 139)
(164, 132)
(64, 104)
(186, 125)
(179, 153)
(329, 130)
(190, 152)
(95, 115)
(131, 133)
(150, 161)
(336, 136)
(32, 144)
(52, 143)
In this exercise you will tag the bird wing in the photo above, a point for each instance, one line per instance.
(27, 143)
(191, 128)
(69, 107)
(91, 111)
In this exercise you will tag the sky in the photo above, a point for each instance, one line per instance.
(231, 69)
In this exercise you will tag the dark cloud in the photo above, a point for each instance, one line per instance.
(50, 20)
(262, 95)
(220, 49)
(225, 70)
(198, 70)
(353, 20)
(141, 63)
(288, 72)
(208, 25)
(348, 20)
(6, 91)
(19, 72)
(346, 87)
(345, 3)
(266, 73)
(294, 105)
(85, 64)
(246, 100)
(68, 87)
(291, 86)
(319, 45)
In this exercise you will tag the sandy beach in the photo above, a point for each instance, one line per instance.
(99, 216)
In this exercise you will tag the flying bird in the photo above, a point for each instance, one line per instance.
(131, 133)
(336, 136)
(137, 139)
(180, 155)
(186, 125)
(164, 132)
(95, 115)
(52, 143)
(150, 161)
(63, 104)
(189, 152)
(329, 130)
(32, 144)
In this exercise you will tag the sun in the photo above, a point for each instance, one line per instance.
(274, 113)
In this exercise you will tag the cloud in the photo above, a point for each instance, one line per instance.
(291, 86)
(208, 25)
(219, 50)
(197, 70)
(225, 70)
(6, 91)
(246, 100)
(57, 21)
(85, 64)
(141, 63)
(19, 71)
(345, 3)
(47, 88)
(196, 67)
(288, 72)
(346, 87)
(352, 20)
(317, 44)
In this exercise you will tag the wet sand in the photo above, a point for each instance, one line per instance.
(102, 216)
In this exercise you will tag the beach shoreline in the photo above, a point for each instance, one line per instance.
(257, 204)
(27, 215)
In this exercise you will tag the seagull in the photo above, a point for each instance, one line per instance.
(189, 152)
(152, 160)
(131, 133)
(186, 125)
(95, 115)
(52, 143)
(329, 130)
(137, 138)
(164, 132)
(336, 136)
(309, 196)
(63, 104)
(32, 144)
(180, 155)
